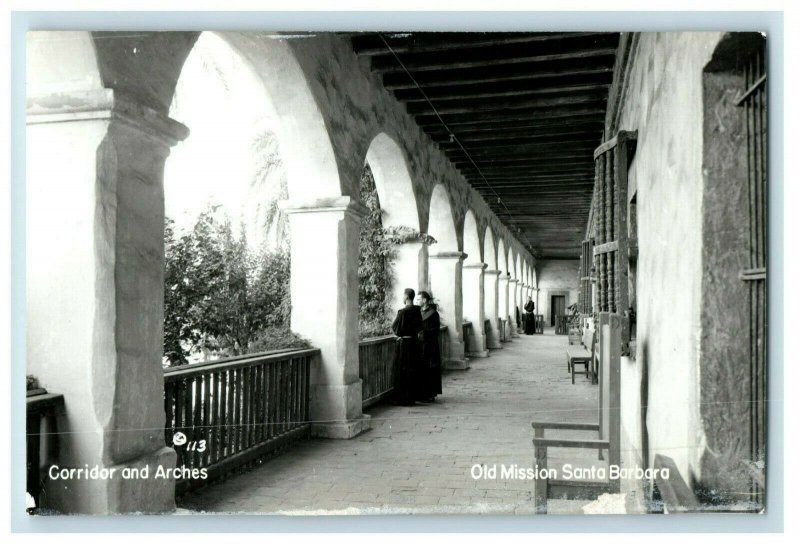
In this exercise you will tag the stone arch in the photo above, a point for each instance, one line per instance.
(393, 182)
(489, 249)
(490, 289)
(513, 289)
(441, 221)
(303, 135)
(512, 263)
(472, 245)
(398, 204)
(502, 257)
(148, 65)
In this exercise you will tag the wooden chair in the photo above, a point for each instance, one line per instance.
(608, 427)
(582, 355)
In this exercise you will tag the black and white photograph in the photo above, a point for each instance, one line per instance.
(359, 273)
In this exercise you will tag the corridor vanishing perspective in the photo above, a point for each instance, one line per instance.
(221, 227)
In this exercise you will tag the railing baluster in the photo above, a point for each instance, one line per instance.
(223, 414)
(260, 404)
(180, 418)
(237, 412)
(296, 392)
(271, 392)
(169, 401)
(251, 404)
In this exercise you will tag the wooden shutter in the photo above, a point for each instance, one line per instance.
(610, 224)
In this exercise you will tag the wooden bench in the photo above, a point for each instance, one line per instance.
(556, 488)
(582, 355)
(608, 340)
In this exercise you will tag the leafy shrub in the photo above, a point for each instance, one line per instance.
(219, 298)
(273, 338)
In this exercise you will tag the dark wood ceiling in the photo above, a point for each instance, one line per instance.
(519, 115)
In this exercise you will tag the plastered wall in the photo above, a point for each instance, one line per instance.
(556, 277)
(664, 103)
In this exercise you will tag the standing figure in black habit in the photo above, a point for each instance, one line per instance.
(407, 326)
(431, 382)
(530, 320)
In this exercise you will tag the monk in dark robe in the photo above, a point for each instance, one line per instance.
(431, 382)
(407, 326)
(530, 319)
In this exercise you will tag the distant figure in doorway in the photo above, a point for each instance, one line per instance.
(530, 319)
(407, 326)
(431, 371)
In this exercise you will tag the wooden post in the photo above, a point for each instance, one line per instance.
(540, 465)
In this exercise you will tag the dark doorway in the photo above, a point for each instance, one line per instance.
(558, 306)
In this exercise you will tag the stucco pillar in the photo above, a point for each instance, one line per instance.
(324, 287)
(472, 276)
(513, 300)
(490, 308)
(446, 284)
(424, 269)
(502, 302)
(94, 292)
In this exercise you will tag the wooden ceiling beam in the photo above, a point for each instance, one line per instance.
(583, 123)
(427, 120)
(422, 42)
(454, 107)
(499, 75)
(526, 136)
(482, 149)
(525, 177)
(574, 159)
(412, 97)
(482, 57)
(534, 188)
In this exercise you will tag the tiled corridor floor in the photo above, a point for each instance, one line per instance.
(419, 459)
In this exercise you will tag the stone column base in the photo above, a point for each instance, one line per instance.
(478, 354)
(336, 411)
(494, 344)
(457, 364)
(341, 430)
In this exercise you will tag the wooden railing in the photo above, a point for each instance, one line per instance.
(376, 368)
(41, 437)
(444, 344)
(466, 334)
(538, 327)
(561, 324)
(234, 411)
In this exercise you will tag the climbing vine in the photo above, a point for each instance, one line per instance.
(377, 253)
(375, 257)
